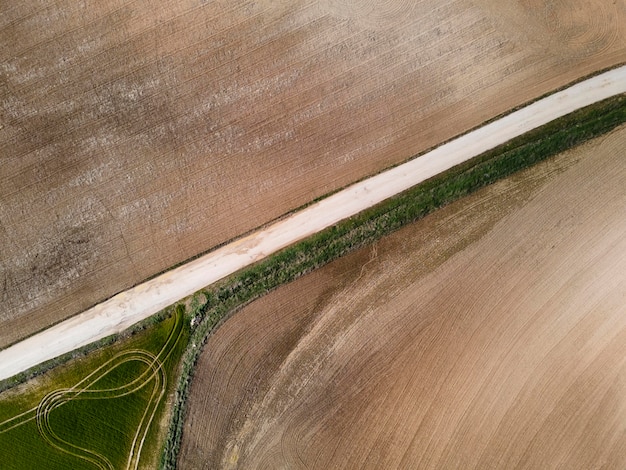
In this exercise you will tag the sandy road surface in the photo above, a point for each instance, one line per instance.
(129, 307)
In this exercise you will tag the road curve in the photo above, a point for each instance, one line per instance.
(133, 305)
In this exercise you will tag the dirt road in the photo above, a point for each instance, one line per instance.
(133, 305)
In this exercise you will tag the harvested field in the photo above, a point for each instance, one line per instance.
(490, 333)
(134, 138)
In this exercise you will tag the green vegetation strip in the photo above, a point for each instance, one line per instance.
(44, 367)
(102, 411)
(212, 306)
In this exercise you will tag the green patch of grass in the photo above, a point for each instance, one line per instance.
(96, 411)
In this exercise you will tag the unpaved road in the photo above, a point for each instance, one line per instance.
(133, 305)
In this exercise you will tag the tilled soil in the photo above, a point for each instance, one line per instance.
(490, 334)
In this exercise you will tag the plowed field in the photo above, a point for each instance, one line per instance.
(490, 334)
(134, 135)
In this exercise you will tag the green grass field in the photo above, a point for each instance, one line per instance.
(101, 411)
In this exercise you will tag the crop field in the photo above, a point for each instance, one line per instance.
(133, 137)
(103, 411)
(491, 332)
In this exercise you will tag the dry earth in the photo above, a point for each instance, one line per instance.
(491, 334)
(134, 137)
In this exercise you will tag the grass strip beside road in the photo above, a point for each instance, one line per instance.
(212, 306)
(82, 352)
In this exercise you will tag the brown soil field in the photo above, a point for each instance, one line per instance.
(490, 334)
(134, 137)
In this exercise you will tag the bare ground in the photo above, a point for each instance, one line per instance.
(134, 137)
(488, 335)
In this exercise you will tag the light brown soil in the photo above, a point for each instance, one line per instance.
(491, 334)
(134, 137)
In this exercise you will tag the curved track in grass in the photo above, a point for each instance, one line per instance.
(86, 389)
